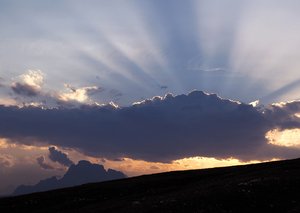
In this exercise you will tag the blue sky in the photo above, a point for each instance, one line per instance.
(242, 50)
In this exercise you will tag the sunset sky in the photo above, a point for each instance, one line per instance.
(146, 86)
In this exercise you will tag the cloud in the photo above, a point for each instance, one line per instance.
(24, 89)
(159, 129)
(80, 95)
(28, 90)
(59, 157)
(118, 159)
(41, 161)
(29, 84)
(284, 115)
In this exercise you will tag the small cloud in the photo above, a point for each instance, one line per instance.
(29, 84)
(81, 95)
(34, 78)
(118, 159)
(59, 157)
(41, 161)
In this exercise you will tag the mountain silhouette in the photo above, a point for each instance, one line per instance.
(83, 172)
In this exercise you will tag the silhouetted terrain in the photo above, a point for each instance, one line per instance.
(266, 187)
(83, 172)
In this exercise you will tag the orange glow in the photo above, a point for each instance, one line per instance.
(129, 166)
(138, 167)
(3, 143)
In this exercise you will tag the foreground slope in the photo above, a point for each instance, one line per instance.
(266, 187)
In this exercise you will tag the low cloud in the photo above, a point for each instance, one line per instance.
(41, 161)
(59, 157)
(160, 129)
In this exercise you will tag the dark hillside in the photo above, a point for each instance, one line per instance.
(265, 187)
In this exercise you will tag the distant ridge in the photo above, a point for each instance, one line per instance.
(265, 187)
(83, 172)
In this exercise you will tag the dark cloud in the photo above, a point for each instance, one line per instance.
(160, 129)
(41, 161)
(283, 116)
(24, 89)
(118, 159)
(59, 157)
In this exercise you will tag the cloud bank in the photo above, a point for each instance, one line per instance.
(158, 129)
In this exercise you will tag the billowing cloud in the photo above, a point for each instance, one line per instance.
(159, 129)
(59, 157)
(29, 84)
(41, 161)
(29, 90)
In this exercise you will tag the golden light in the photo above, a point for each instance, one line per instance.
(287, 138)
(138, 167)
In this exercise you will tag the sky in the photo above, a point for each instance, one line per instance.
(146, 86)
